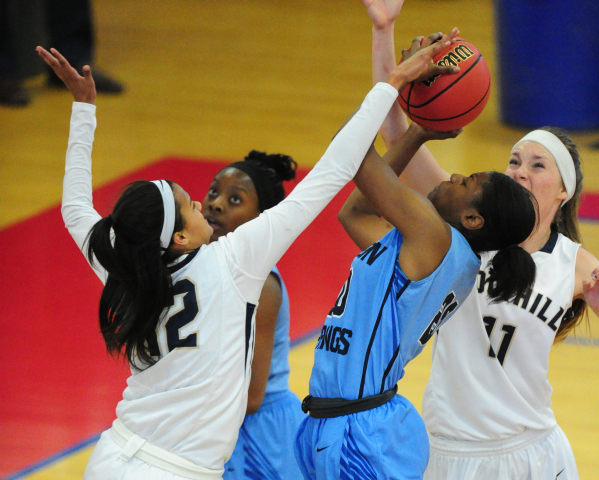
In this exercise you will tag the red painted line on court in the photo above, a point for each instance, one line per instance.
(589, 206)
(59, 386)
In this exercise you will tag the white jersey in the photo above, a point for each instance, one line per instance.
(193, 400)
(490, 362)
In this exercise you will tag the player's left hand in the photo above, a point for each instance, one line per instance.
(427, 134)
(420, 43)
(83, 88)
(590, 289)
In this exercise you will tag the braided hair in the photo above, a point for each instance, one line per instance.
(267, 172)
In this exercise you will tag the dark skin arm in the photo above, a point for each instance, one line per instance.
(266, 320)
(358, 216)
(426, 236)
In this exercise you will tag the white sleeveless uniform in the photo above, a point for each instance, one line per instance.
(487, 404)
(192, 402)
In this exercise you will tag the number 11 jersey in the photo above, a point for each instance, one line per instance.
(490, 363)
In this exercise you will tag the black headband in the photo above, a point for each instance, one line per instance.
(266, 198)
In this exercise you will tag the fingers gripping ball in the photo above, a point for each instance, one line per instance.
(448, 102)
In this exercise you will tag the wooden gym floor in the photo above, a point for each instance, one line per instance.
(217, 78)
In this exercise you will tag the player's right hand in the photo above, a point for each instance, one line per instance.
(420, 43)
(418, 65)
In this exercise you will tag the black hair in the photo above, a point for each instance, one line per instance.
(566, 223)
(510, 214)
(139, 286)
(268, 172)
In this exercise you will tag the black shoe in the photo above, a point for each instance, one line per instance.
(104, 83)
(13, 93)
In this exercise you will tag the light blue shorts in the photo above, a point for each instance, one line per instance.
(264, 449)
(387, 442)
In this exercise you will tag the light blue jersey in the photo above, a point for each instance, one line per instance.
(380, 321)
(264, 448)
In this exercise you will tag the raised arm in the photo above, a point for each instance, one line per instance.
(423, 173)
(426, 236)
(77, 209)
(359, 217)
(383, 14)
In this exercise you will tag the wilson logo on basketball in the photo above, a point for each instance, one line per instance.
(458, 55)
(450, 101)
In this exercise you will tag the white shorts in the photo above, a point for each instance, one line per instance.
(105, 464)
(532, 455)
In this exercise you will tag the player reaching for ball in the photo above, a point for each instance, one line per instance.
(181, 309)
(487, 405)
(417, 267)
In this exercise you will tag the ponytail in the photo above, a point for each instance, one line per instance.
(267, 172)
(510, 214)
(126, 244)
(512, 272)
(103, 251)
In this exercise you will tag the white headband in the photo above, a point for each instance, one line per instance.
(563, 159)
(168, 202)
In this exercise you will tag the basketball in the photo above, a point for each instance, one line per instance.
(449, 102)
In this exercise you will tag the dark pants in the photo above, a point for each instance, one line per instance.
(63, 24)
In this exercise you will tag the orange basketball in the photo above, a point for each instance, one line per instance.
(448, 102)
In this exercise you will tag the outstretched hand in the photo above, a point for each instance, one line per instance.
(83, 88)
(417, 64)
(383, 12)
(590, 289)
(420, 43)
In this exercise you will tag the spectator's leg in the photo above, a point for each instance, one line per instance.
(71, 28)
(21, 30)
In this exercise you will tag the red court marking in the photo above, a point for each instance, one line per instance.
(589, 206)
(59, 387)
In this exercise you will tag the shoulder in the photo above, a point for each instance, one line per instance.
(424, 254)
(461, 248)
(566, 242)
(585, 259)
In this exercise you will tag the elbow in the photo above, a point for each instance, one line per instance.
(253, 406)
(348, 216)
(343, 216)
(66, 214)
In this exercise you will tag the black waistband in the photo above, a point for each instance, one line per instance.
(336, 407)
